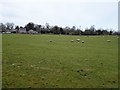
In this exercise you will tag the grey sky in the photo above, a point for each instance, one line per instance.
(61, 12)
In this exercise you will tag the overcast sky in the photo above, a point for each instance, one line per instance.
(84, 13)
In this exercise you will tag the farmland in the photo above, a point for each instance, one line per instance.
(32, 61)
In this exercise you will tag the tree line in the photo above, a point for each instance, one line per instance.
(47, 29)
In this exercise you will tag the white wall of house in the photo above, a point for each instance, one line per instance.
(22, 30)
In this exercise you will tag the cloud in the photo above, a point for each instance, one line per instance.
(62, 13)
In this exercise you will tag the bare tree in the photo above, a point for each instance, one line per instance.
(9, 26)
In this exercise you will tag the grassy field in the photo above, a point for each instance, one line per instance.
(32, 61)
(0, 61)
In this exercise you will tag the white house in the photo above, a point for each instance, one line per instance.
(32, 32)
(13, 31)
(22, 30)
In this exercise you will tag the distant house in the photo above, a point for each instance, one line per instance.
(13, 31)
(22, 30)
(7, 31)
(32, 32)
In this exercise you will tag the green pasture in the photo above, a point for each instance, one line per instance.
(32, 61)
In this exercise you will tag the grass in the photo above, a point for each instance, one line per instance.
(0, 61)
(31, 61)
